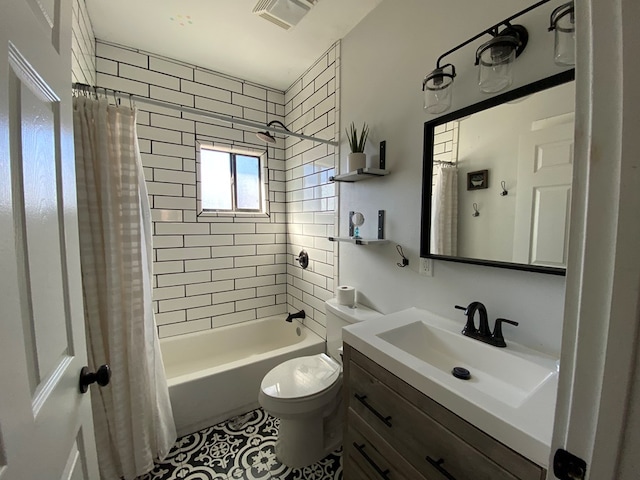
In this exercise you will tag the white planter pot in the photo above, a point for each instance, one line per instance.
(356, 161)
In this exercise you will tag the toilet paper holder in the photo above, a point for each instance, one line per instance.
(303, 259)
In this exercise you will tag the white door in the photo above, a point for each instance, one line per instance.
(545, 166)
(46, 432)
(597, 412)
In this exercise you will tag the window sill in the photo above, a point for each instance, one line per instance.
(207, 214)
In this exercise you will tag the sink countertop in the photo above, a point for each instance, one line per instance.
(526, 427)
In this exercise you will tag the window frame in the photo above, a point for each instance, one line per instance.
(263, 180)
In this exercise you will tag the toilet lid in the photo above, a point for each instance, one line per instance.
(301, 377)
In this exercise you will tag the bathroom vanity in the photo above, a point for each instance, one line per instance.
(393, 427)
(405, 419)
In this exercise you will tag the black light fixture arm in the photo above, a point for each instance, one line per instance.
(493, 30)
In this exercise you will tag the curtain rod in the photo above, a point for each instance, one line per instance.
(196, 111)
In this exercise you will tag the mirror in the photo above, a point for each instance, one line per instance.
(497, 179)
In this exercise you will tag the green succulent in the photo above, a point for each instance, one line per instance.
(357, 144)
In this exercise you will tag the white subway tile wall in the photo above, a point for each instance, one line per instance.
(312, 106)
(445, 145)
(83, 46)
(215, 271)
(445, 142)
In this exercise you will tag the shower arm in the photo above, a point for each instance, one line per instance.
(278, 122)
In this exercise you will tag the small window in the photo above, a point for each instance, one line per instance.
(230, 181)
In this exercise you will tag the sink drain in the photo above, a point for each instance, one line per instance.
(461, 373)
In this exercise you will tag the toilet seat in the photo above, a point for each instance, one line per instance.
(301, 377)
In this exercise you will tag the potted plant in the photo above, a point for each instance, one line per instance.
(357, 158)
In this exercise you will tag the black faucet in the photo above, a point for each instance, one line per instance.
(483, 333)
(300, 314)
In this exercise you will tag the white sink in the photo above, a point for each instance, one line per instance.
(511, 394)
(495, 371)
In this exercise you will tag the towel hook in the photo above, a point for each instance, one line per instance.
(404, 261)
(475, 213)
(504, 191)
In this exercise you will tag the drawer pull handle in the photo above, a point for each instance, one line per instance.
(382, 473)
(363, 400)
(437, 464)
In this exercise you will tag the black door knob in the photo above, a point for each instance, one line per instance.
(101, 377)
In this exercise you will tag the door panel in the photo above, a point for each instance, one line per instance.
(76, 466)
(44, 421)
(550, 225)
(545, 166)
(44, 11)
(36, 210)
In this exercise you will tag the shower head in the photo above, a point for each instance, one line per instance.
(266, 136)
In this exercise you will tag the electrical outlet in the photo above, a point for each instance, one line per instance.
(426, 267)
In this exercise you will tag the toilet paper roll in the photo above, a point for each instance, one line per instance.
(346, 295)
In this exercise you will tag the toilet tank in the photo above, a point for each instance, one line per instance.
(338, 316)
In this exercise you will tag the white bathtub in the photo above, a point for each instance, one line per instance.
(215, 374)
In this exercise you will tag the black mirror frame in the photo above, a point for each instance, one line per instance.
(427, 170)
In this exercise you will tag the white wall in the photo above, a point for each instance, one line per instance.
(383, 62)
(83, 46)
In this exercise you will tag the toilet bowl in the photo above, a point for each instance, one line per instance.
(305, 394)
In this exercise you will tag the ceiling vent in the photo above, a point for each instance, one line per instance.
(284, 13)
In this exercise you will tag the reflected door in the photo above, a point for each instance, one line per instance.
(543, 201)
(46, 430)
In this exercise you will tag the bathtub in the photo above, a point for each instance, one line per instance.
(214, 375)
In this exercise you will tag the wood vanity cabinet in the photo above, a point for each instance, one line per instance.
(393, 431)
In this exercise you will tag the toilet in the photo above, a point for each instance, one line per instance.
(305, 393)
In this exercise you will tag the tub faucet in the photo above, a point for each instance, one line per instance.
(291, 316)
(483, 333)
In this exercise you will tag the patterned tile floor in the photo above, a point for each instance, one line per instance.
(239, 449)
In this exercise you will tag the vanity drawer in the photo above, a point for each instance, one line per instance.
(428, 435)
(370, 455)
(352, 469)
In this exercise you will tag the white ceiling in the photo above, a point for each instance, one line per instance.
(223, 35)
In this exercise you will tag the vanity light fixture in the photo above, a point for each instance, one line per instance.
(437, 88)
(563, 24)
(495, 57)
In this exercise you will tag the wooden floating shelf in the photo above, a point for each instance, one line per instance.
(359, 175)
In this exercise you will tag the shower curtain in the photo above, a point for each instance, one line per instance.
(444, 212)
(132, 415)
